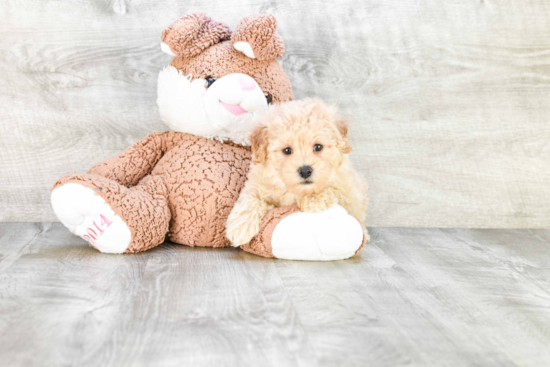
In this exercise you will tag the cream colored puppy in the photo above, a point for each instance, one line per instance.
(299, 156)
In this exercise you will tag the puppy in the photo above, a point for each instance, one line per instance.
(299, 156)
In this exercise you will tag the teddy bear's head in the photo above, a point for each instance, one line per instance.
(218, 80)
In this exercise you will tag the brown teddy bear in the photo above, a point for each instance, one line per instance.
(182, 184)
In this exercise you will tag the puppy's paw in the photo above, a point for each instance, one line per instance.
(241, 235)
(242, 227)
(245, 219)
(317, 202)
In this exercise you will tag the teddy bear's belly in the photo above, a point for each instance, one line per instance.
(204, 178)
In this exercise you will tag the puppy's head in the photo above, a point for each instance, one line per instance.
(302, 143)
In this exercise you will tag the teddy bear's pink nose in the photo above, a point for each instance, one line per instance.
(246, 82)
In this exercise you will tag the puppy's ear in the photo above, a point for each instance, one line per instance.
(191, 34)
(259, 143)
(343, 126)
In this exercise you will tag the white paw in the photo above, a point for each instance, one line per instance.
(329, 235)
(88, 216)
(242, 234)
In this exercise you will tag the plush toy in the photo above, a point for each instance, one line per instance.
(181, 185)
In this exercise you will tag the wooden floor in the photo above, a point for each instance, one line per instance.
(415, 297)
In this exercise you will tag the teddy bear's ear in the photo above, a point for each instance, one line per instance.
(255, 36)
(191, 34)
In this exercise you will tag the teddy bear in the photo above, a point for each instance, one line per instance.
(180, 185)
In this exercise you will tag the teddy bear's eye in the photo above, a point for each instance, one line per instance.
(209, 81)
(287, 151)
(317, 147)
(268, 98)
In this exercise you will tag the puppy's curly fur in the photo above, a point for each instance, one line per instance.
(299, 156)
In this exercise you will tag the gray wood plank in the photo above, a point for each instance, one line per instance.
(448, 99)
(61, 301)
(477, 303)
(425, 298)
(413, 297)
(172, 305)
(15, 239)
(212, 307)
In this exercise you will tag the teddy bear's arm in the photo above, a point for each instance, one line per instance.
(288, 233)
(137, 161)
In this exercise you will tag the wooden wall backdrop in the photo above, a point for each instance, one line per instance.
(449, 99)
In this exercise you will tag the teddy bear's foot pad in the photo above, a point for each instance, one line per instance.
(88, 216)
(329, 235)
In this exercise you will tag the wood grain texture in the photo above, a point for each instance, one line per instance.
(449, 100)
(412, 297)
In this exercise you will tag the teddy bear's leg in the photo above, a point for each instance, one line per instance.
(137, 161)
(288, 233)
(112, 217)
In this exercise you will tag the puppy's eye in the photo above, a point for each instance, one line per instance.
(209, 81)
(317, 147)
(268, 98)
(287, 151)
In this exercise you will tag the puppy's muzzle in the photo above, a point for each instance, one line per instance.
(305, 171)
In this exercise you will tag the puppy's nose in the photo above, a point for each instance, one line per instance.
(246, 82)
(305, 171)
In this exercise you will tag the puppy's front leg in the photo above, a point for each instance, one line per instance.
(317, 202)
(245, 219)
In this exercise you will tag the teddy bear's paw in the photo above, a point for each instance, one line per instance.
(329, 235)
(88, 216)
